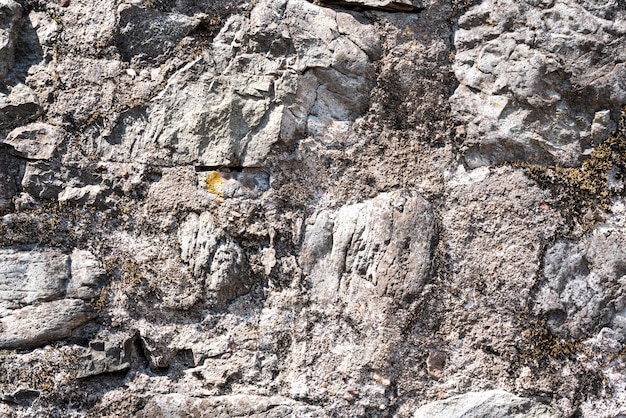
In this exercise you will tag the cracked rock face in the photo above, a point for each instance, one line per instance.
(289, 70)
(539, 81)
(378, 208)
(45, 295)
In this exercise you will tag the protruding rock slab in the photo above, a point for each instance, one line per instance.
(36, 141)
(45, 294)
(215, 258)
(383, 244)
(289, 70)
(107, 356)
(492, 403)
(20, 106)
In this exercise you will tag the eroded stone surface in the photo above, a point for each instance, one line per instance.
(538, 81)
(383, 245)
(493, 403)
(276, 207)
(582, 284)
(287, 71)
(178, 405)
(45, 294)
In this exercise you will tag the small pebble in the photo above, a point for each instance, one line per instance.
(65, 3)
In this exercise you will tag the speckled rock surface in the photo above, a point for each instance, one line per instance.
(294, 208)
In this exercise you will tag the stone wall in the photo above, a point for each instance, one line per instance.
(274, 208)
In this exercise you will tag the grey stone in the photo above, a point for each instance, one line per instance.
(179, 405)
(87, 276)
(86, 195)
(581, 291)
(45, 294)
(147, 35)
(107, 356)
(302, 75)
(386, 242)
(27, 277)
(42, 180)
(34, 325)
(522, 71)
(215, 257)
(20, 106)
(10, 14)
(492, 403)
(36, 141)
(288, 225)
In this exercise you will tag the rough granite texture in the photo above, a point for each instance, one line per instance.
(377, 208)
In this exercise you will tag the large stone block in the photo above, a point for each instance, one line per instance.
(45, 294)
(538, 81)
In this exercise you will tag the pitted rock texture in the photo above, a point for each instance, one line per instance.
(294, 208)
(539, 81)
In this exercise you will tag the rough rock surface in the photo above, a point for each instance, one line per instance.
(491, 403)
(384, 208)
(539, 81)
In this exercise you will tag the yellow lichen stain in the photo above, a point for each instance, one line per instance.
(214, 184)
(490, 21)
(409, 31)
(415, 47)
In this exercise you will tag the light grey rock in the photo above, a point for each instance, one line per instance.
(36, 141)
(199, 237)
(45, 294)
(27, 277)
(10, 14)
(86, 195)
(287, 71)
(524, 70)
(20, 106)
(34, 325)
(42, 180)
(286, 222)
(179, 405)
(87, 276)
(383, 244)
(147, 36)
(582, 287)
(215, 258)
(107, 356)
(385, 5)
(493, 403)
